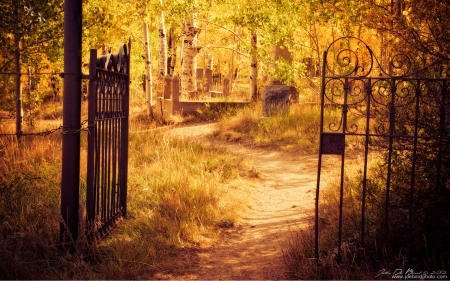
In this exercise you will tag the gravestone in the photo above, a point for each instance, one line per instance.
(276, 99)
(208, 81)
(226, 87)
(277, 95)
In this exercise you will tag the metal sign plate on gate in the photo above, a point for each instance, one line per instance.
(333, 143)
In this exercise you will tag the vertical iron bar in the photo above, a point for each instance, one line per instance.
(103, 148)
(413, 168)
(114, 160)
(90, 189)
(71, 120)
(108, 149)
(124, 163)
(388, 180)
(98, 95)
(120, 144)
(319, 165)
(368, 88)
(341, 187)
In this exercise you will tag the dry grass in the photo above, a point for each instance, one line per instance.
(296, 130)
(179, 194)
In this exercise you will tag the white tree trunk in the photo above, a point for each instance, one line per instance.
(253, 68)
(210, 61)
(173, 53)
(189, 52)
(162, 47)
(148, 72)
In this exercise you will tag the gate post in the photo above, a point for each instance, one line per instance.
(92, 95)
(124, 136)
(71, 121)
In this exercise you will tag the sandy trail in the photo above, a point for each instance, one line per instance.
(282, 198)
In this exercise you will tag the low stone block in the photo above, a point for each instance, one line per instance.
(276, 99)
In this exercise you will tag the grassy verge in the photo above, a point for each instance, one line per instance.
(179, 194)
(295, 130)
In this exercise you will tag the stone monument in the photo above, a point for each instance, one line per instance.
(277, 95)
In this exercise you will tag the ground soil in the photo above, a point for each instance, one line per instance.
(281, 201)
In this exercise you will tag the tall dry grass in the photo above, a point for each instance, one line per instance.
(361, 263)
(294, 130)
(180, 192)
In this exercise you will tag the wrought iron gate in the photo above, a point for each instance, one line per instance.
(106, 199)
(396, 111)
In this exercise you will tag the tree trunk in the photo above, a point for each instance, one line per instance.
(18, 86)
(148, 73)
(162, 47)
(189, 52)
(171, 61)
(253, 68)
(232, 62)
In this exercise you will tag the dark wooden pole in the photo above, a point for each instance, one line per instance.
(18, 78)
(71, 120)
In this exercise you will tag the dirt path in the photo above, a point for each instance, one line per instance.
(282, 198)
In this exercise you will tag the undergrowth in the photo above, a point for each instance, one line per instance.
(179, 194)
(294, 130)
(373, 260)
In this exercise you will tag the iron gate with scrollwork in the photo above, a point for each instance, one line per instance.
(106, 199)
(392, 117)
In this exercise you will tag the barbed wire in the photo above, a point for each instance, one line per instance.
(49, 132)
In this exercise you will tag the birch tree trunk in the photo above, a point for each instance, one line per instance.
(148, 72)
(232, 61)
(189, 52)
(253, 69)
(162, 47)
(173, 53)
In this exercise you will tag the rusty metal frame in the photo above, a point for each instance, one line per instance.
(355, 84)
(108, 111)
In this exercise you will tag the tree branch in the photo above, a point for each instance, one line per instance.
(229, 30)
(234, 50)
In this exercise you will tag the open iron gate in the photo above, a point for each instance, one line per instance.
(106, 199)
(396, 110)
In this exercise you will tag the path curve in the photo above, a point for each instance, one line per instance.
(282, 198)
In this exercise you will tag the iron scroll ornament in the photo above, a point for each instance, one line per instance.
(352, 57)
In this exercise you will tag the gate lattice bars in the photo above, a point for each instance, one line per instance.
(106, 199)
(391, 108)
